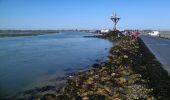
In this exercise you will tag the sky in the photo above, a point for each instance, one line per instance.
(84, 14)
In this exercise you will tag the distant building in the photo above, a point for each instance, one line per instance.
(105, 31)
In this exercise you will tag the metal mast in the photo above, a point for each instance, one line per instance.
(115, 20)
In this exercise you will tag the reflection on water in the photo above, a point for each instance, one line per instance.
(26, 62)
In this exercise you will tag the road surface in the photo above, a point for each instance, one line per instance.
(160, 48)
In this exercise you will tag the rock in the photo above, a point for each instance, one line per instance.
(85, 98)
(125, 56)
(95, 65)
(62, 97)
(49, 97)
(121, 80)
(71, 74)
(113, 74)
(97, 97)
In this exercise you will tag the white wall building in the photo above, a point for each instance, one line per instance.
(105, 31)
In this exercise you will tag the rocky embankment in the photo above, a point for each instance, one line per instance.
(115, 80)
(131, 73)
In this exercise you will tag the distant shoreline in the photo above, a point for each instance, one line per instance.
(17, 35)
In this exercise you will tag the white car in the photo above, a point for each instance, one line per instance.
(154, 33)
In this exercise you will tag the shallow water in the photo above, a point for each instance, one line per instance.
(27, 62)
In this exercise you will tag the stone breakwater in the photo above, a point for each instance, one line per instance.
(114, 80)
(132, 72)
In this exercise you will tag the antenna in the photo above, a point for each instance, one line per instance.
(115, 20)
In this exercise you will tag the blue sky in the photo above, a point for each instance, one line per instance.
(84, 14)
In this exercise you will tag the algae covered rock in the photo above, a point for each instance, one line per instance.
(137, 92)
(49, 97)
(114, 80)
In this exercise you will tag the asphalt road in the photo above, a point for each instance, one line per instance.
(160, 48)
